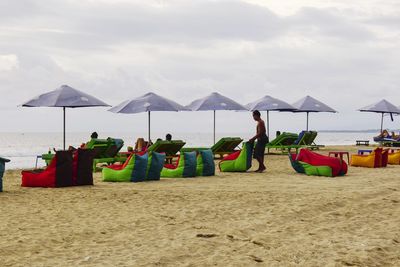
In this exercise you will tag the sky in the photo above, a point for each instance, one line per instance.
(344, 53)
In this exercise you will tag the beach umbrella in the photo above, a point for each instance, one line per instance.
(268, 103)
(383, 107)
(309, 104)
(214, 102)
(147, 103)
(65, 97)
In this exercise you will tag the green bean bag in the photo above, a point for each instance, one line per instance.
(185, 167)
(239, 161)
(2, 170)
(205, 163)
(155, 165)
(316, 170)
(137, 168)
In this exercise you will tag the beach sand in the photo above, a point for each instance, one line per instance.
(278, 218)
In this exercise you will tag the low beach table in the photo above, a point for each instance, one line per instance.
(362, 151)
(339, 154)
(362, 142)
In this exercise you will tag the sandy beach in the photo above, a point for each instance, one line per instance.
(278, 218)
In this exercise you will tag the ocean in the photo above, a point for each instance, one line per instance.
(22, 148)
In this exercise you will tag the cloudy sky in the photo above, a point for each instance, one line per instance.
(345, 53)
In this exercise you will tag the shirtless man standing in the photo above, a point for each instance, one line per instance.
(262, 140)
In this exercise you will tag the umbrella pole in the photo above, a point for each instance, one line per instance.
(64, 127)
(214, 127)
(149, 125)
(382, 123)
(268, 122)
(307, 121)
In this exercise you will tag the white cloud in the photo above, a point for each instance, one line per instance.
(337, 51)
(8, 62)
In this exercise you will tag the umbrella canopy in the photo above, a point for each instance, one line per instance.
(65, 97)
(213, 102)
(382, 107)
(268, 103)
(147, 103)
(309, 104)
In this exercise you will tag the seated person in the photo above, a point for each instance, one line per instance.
(94, 135)
(140, 145)
(395, 136)
(168, 137)
(384, 134)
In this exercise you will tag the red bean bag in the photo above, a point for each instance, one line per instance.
(339, 167)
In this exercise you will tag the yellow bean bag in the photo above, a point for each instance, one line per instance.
(372, 160)
(394, 158)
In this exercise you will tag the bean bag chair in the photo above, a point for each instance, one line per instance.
(373, 160)
(205, 163)
(137, 168)
(2, 169)
(65, 169)
(311, 163)
(385, 158)
(394, 158)
(239, 161)
(185, 167)
(134, 169)
(155, 166)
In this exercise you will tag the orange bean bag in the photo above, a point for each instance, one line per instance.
(373, 160)
(394, 158)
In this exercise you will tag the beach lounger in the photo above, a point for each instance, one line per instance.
(108, 154)
(300, 142)
(306, 139)
(282, 141)
(224, 146)
(2, 169)
(67, 168)
(239, 161)
(104, 151)
(170, 148)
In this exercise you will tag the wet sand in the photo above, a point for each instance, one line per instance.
(278, 218)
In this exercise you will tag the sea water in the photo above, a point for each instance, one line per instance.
(23, 148)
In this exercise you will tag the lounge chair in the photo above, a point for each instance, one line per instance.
(67, 168)
(109, 153)
(239, 161)
(104, 151)
(224, 146)
(2, 169)
(388, 142)
(169, 148)
(314, 164)
(306, 139)
(282, 141)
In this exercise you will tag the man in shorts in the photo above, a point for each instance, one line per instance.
(262, 140)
